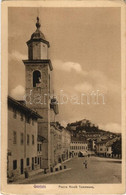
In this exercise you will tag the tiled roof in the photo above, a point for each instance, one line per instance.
(74, 139)
(22, 107)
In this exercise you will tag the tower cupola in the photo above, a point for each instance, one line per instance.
(38, 45)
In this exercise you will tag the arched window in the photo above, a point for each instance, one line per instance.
(36, 78)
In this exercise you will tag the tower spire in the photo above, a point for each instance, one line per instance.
(38, 25)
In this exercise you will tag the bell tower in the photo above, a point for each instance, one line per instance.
(37, 70)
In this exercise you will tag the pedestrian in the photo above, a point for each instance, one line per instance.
(85, 163)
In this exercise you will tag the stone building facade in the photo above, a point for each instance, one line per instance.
(22, 139)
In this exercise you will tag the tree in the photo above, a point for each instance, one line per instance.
(117, 147)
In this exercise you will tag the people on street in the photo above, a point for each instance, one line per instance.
(85, 163)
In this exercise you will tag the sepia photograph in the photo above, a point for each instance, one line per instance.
(64, 96)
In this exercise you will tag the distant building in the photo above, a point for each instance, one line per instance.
(104, 147)
(91, 144)
(40, 141)
(66, 141)
(77, 146)
(22, 138)
(60, 139)
(55, 144)
(92, 135)
(55, 135)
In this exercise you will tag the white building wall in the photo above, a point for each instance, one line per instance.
(76, 147)
(18, 151)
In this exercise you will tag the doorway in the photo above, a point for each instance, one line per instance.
(32, 163)
(21, 166)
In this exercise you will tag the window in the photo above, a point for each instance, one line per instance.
(27, 161)
(32, 139)
(36, 78)
(22, 118)
(38, 147)
(14, 164)
(14, 137)
(27, 139)
(35, 159)
(38, 161)
(100, 149)
(22, 138)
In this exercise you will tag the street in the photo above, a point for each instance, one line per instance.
(99, 170)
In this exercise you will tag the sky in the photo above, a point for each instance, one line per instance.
(85, 50)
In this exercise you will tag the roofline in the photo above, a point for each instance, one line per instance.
(29, 62)
(83, 141)
(38, 40)
(56, 128)
(25, 108)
